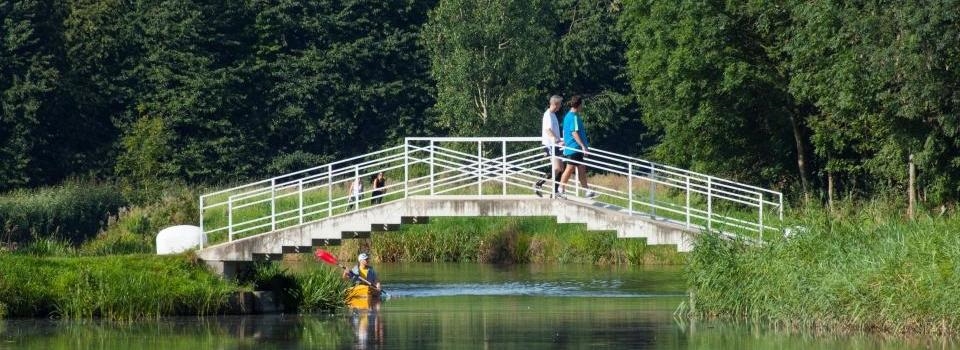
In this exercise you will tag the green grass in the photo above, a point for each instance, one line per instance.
(115, 287)
(856, 268)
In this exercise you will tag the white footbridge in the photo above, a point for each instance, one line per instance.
(475, 176)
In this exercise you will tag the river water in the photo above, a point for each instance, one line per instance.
(465, 306)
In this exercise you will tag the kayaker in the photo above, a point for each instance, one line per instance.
(364, 270)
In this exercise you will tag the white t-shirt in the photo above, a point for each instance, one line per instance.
(356, 187)
(549, 122)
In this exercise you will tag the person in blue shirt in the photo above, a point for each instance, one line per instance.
(576, 146)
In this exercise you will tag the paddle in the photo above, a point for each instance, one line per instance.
(328, 258)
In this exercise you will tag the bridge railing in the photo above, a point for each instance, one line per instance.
(480, 166)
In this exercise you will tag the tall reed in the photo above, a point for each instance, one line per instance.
(866, 269)
(509, 240)
(73, 211)
(115, 287)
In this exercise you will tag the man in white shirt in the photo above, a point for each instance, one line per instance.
(552, 144)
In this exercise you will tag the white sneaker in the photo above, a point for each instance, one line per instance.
(560, 195)
(590, 194)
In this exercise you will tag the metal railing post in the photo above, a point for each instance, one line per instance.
(431, 167)
(203, 233)
(760, 194)
(330, 190)
(688, 201)
(300, 200)
(503, 180)
(653, 190)
(273, 204)
(781, 207)
(576, 173)
(230, 218)
(709, 204)
(553, 180)
(480, 168)
(406, 167)
(630, 188)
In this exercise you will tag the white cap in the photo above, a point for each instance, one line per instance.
(363, 256)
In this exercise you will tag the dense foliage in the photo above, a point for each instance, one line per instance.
(790, 94)
(847, 90)
(203, 92)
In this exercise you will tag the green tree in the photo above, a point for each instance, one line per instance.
(99, 50)
(339, 78)
(30, 92)
(191, 71)
(489, 60)
(709, 89)
(883, 79)
(144, 162)
(590, 61)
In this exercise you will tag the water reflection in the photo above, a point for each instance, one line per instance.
(368, 326)
(464, 306)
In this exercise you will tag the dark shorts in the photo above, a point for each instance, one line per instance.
(576, 156)
(556, 150)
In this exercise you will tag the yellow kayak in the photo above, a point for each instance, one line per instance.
(362, 297)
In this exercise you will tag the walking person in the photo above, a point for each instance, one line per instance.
(378, 192)
(576, 147)
(356, 193)
(552, 142)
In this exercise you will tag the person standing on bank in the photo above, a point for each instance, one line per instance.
(363, 270)
(552, 142)
(575, 140)
(378, 183)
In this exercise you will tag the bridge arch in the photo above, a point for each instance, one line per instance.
(477, 176)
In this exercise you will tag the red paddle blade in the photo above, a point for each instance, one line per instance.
(325, 256)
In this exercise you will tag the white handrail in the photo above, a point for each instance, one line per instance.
(429, 167)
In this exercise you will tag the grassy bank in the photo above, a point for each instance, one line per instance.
(863, 269)
(509, 240)
(114, 287)
(127, 287)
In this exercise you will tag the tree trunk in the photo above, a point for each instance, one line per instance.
(830, 190)
(911, 190)
(801, 158)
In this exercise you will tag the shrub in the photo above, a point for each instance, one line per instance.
(73, 211)
(134, 231)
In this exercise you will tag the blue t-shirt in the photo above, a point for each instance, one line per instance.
(573, 124)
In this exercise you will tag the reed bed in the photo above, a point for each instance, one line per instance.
(307, 290)
(509, 240)
(848, 269)
(73, 211)
(117, 288)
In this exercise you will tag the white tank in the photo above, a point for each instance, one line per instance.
(180, 238)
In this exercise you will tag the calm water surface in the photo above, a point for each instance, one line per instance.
(464, 306)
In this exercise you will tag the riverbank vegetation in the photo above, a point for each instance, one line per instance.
(854, 268)
(114, 287)
(509, 241)
(137, 286)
